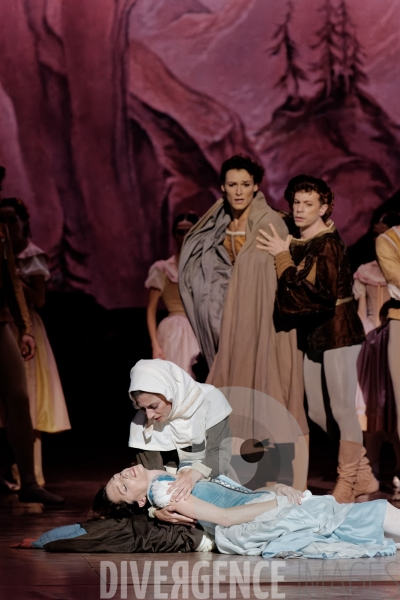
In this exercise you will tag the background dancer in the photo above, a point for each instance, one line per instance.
(174, 338)
(388, 254)
(375, 403)
(13, 387)
(46, 399)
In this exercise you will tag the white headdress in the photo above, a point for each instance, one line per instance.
(195, 407)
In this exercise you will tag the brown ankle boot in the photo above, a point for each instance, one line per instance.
(365, 480)
(349, 457)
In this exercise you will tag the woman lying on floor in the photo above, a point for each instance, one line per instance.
(279, 522)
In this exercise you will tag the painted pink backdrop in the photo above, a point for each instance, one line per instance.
(115, 115)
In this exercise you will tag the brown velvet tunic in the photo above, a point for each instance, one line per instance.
(315, 292)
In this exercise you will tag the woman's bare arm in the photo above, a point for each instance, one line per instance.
(154, 297)
(362, 308)
(204, 511)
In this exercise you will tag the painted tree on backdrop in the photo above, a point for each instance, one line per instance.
(351, 59)
(284, 43)
(340, 63)
(334, 128)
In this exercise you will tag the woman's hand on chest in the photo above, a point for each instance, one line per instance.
(182, 487)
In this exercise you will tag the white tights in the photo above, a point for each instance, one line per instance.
(391, 524)
(340, 368)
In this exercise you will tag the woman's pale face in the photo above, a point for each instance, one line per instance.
(239, 189)
(155, 406)
(307, 209)
(130, 485)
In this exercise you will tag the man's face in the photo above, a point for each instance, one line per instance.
(307, 208)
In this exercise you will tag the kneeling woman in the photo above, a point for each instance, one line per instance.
(276, 522)
(179, 419)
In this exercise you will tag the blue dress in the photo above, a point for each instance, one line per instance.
(318, 528)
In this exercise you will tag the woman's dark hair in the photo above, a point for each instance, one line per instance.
(192, 217)
(307, 183)
(135, 396)
(242, 161)
(2, 173)
(21, 210)
(391, 218)
(103, 508)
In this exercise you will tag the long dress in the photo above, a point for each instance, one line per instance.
(175, 334)
(375, 403)
(46, 398)
(318, 528)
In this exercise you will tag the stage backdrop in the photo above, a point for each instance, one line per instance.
(115, 116)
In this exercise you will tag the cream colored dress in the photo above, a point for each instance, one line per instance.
(46, 398)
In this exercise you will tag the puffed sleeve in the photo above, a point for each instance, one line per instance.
(34, 265)
(311, 286)
(389, 262)
(157, 492)
(359, 289)
(156, 278)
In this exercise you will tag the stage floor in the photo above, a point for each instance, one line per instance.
(36, 574)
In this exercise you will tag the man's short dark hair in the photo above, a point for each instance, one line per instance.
(308, 183)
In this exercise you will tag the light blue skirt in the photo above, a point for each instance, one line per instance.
(318, 528)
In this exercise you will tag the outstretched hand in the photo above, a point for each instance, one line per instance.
(294, 496)
(273, 243)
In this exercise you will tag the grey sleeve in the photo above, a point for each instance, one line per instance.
(150, 459)
(218, 448)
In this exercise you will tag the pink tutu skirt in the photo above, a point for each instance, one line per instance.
(178, 341)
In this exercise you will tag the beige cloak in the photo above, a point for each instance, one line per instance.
(255, 355)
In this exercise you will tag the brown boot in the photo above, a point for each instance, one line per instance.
(365, 480)
(349, 457)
